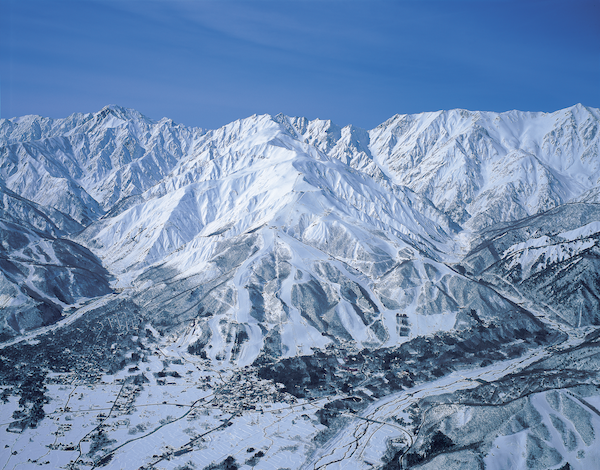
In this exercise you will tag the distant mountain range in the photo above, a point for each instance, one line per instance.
(453, 240)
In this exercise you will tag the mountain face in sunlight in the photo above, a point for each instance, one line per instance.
(287, 293)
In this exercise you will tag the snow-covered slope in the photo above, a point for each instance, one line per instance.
(84, 164)
(478, 167)
(41, 274)
(485, 168)
(280, 227)
(378, 210)
(340, 275)
(263, 177)
(550, 261)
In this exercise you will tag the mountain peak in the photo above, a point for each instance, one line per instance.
(280, 274)
(113, 111)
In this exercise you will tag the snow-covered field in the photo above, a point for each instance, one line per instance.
(283, 293)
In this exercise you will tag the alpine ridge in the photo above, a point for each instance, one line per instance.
(326, 296)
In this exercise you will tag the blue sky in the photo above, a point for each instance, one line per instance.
(208, 62)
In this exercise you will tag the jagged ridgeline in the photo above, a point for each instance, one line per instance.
(274, 235)
(323, 260)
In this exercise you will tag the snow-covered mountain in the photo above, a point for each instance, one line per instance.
(485, 168)
(297, 251)
(84, 164)
(41, 273)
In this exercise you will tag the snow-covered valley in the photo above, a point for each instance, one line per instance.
(285, 293)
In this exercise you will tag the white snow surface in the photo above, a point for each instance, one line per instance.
(465, 162)
(386, 209)
(154, 194)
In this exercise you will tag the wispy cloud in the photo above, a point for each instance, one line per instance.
(354, 61)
